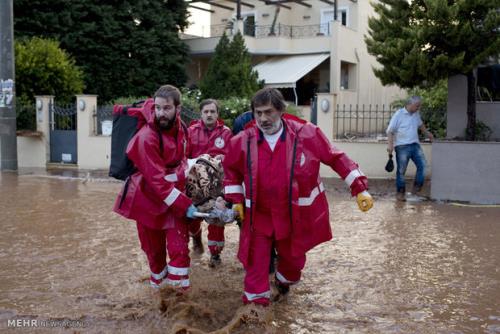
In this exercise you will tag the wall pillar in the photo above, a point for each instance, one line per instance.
(42, 103)
(325, 113)
(86, 108)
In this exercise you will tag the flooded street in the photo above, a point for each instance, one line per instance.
(417, 267)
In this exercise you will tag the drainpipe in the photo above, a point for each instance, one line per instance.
(8, 138)
(296, 98)
(357, 75)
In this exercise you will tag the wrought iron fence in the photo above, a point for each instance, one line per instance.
(264, 31)
(188, 115)
(63, 116)
(289, 31)
(103, 118)
(371, 121)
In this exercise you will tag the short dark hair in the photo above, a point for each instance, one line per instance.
(169, 92)
(268, 96)
(209, 101)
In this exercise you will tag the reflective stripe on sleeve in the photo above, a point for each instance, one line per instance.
(171, 177)
(172, 196)
(306, 201)
(233, 190)
(352, 176)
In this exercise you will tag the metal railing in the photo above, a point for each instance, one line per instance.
(101, 114)
(265, 31)
(371, 121)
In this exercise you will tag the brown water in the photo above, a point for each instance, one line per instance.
(414, 267)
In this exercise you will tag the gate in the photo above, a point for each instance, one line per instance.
(63, 134)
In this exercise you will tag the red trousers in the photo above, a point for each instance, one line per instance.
(256, 283)
(156, 244)
(215, 236)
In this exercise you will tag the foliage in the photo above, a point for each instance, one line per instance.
(42, 68)
(483, 132)
(423, 41)
(433, 109)
(25, 113)
(125, 48)
(230, 72)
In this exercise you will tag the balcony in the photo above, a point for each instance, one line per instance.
(263, 39)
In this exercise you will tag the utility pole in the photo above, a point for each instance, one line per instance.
(8, 139)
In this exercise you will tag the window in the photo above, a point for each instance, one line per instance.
(347, 75)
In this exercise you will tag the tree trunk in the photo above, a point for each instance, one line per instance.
(470, 132)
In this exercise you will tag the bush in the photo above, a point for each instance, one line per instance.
(433, 109)
(42, 68)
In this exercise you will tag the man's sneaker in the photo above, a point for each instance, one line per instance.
(401, 196)
(283, 289)
(157, 283)
(198, 244)
(416, 190)
(214, 261)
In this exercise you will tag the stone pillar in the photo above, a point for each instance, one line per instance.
(86, 109)
(43, 124)
(326, 111)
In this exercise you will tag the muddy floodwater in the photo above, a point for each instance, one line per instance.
(69, 264)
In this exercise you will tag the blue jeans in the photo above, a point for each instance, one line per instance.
(403, 155)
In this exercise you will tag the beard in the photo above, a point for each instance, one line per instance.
(164, 123)
(270, 128)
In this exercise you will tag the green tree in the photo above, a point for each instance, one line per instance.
(422, 41)
(43, 68)
(230, 72)
(125, 48)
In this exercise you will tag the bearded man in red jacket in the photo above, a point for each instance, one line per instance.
(278, 162)
(153, 196)
(209, 136)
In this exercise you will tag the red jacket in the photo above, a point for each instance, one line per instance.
(155, 191)
(306, 148)
(201, 140)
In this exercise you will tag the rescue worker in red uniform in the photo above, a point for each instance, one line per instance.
(210, 136)
(153, 196)
(278, 162)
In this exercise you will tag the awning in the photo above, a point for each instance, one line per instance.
(285, 71)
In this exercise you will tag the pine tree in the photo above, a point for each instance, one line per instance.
(422, 41)
(125, 48)
(230, 72)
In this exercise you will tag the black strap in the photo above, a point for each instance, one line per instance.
(249, 166)
(291, 180)
(125, 190)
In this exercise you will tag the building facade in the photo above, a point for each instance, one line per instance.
(296, 46)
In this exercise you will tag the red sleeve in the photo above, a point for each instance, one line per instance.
(144, 152)
(233, 164)
(347, 169)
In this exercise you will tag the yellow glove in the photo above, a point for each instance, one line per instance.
(365, 201)
(240, 210)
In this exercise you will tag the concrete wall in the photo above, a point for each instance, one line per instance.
(94, 151)
(456, 119)
(372, 157)
(466, 171)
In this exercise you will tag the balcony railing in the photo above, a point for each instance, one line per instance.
(265, 31)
